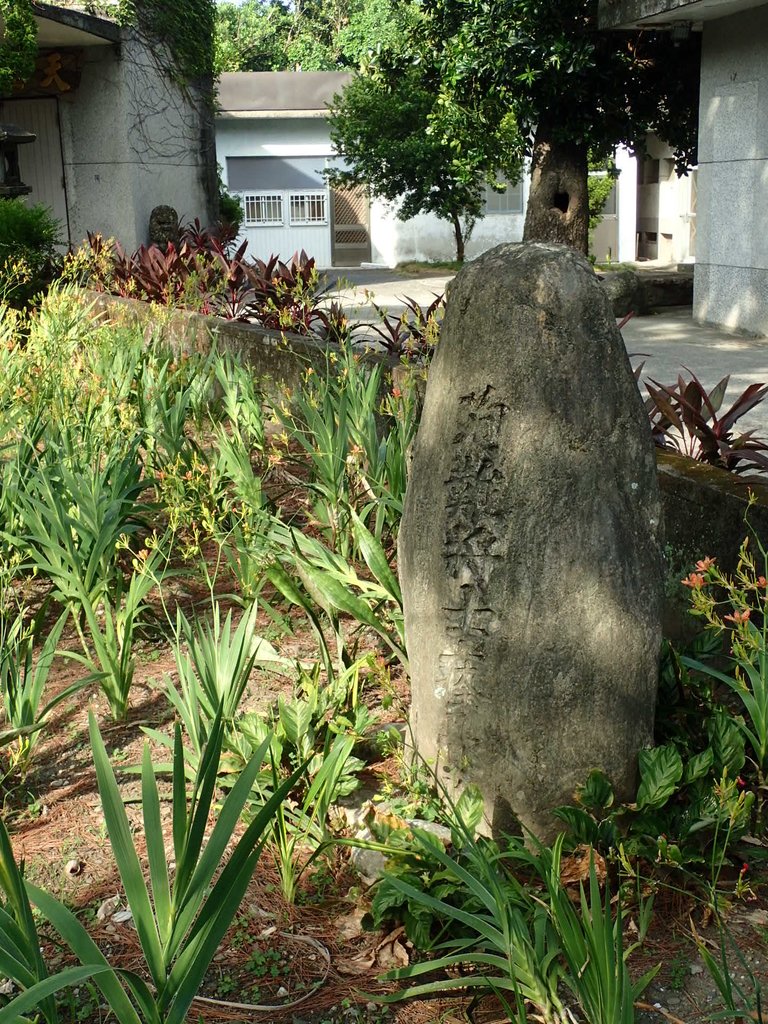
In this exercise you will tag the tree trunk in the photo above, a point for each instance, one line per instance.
(459, 237)
(558, 202)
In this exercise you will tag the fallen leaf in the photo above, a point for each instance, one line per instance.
(574, 869)
(107, 908)
(356, 965)
(351, 925)
(391, 952)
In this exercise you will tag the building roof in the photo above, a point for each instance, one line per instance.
(270, 94)
(624, 14)
(66, 26)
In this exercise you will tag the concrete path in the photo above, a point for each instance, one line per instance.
(667, 341)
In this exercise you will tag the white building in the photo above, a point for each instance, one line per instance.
(115, 136)
(730, 283)
(273, 144)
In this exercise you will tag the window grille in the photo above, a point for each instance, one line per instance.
(262, 208)
(308, 208)
(510, 201)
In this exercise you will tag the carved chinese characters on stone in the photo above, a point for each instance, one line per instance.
(529, 556)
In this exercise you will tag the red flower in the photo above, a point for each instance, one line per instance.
(705, 563)
(738, 617)
(694, 580)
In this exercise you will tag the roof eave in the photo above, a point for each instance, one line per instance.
(99, 28)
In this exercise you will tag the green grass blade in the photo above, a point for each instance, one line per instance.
(153, 830)
(127, 860)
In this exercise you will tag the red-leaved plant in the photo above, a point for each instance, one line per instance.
(687, 418)
(412, 335)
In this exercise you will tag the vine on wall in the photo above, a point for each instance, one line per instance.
(185, 28)
(18, 46)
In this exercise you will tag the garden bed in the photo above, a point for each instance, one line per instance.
(129, 465)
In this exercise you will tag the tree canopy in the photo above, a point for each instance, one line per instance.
(18, 43)
(573, 89)
(309, 35)
(384, 136)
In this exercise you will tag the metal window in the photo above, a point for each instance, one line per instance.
(510, 201)
(262, 208)
(308, 208)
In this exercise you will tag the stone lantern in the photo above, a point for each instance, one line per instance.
(11, 137)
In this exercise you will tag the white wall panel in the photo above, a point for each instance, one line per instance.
(284, 241)
(40, 162)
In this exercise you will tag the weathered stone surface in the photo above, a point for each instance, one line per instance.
(641, 291)
(624, 291)
(163, 225)
(529, 555)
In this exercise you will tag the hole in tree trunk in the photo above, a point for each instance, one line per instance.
(561, 201)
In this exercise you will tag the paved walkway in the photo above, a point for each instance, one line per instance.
(667, 341)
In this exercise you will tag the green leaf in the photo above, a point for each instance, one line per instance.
(596, 795)
(469, 808)
(727, 741)
(661, 769)
(86, 950)
(127, 860)
(699, 766)
(375, 558)
(153, 830)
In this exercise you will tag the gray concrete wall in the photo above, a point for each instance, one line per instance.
(131, 141)
(731, 280)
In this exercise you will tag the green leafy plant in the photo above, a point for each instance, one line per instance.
(112, 621)
(686, 813)
(23, 675)
(299, 833)
(744, 595)
(214, 663)
(28, 239)
(502, 936)
(75, 516)
(180, 921)
(18, 47)
(315, 579)
(592, 944)
(739, 1000)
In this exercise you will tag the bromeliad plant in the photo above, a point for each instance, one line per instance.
(181, 916)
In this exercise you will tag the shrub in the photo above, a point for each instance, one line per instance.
(28, 239)
(230, 210)
(687, 418)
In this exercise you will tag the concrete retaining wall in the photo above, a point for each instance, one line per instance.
(703, 507)
(277, 358)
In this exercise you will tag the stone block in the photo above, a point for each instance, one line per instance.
(529, 553)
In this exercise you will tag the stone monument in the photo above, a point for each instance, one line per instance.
(163, 226)
(529, 549)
